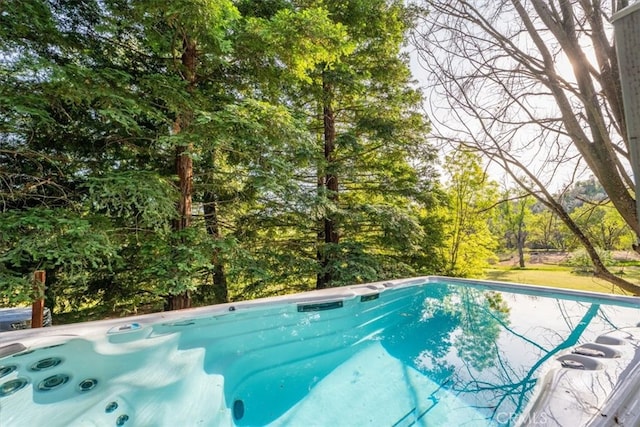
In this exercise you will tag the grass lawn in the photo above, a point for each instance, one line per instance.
(559, 277)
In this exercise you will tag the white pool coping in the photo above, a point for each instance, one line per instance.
(314, 296)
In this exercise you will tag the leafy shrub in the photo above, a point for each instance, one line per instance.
(581, 262)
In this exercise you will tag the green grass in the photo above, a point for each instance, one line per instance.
(559, 277)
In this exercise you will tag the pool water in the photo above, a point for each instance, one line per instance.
(423, 352)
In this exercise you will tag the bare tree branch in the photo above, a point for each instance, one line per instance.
(534, 86)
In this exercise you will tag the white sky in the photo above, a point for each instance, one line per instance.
(439, 116)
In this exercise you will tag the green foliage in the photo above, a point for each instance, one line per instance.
(469, 243)
(95, 98)
(300, 39)
(377, 208)
(176, 264)
(514, 218)
(581, 262)
(547, 231)
(138, 199)
(604, 226)
(63, 241)
(49, 238)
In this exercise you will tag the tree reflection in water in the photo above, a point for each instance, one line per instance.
(463, 341)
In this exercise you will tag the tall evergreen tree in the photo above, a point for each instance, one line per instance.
(101, 95)
(161, 152)
(371, 129)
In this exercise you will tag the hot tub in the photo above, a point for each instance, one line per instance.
(425, 351)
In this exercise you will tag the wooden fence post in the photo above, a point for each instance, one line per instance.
(37, 308)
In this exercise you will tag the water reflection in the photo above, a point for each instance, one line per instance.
(463, 340)
(435, 355)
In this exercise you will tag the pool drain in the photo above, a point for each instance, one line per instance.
(53, 382)
(88, 384)
(47, 363)
(12, 386)
(6, 370)
(238, 409)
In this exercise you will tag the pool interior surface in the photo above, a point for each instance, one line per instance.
(433, 353)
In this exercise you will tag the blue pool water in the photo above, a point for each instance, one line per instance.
(427, 352)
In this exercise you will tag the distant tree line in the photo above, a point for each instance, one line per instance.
(481, 221)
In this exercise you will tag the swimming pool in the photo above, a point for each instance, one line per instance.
(427, 351)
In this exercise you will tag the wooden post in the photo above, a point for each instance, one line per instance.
(37, 308)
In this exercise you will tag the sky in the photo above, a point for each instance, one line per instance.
(438, 110)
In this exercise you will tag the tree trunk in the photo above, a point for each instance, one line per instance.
(521, 250)
(179, 301)
(220, 290)
(184, 167)
(320, 238)
(329, 181)
(521, 235)
(184, 170)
